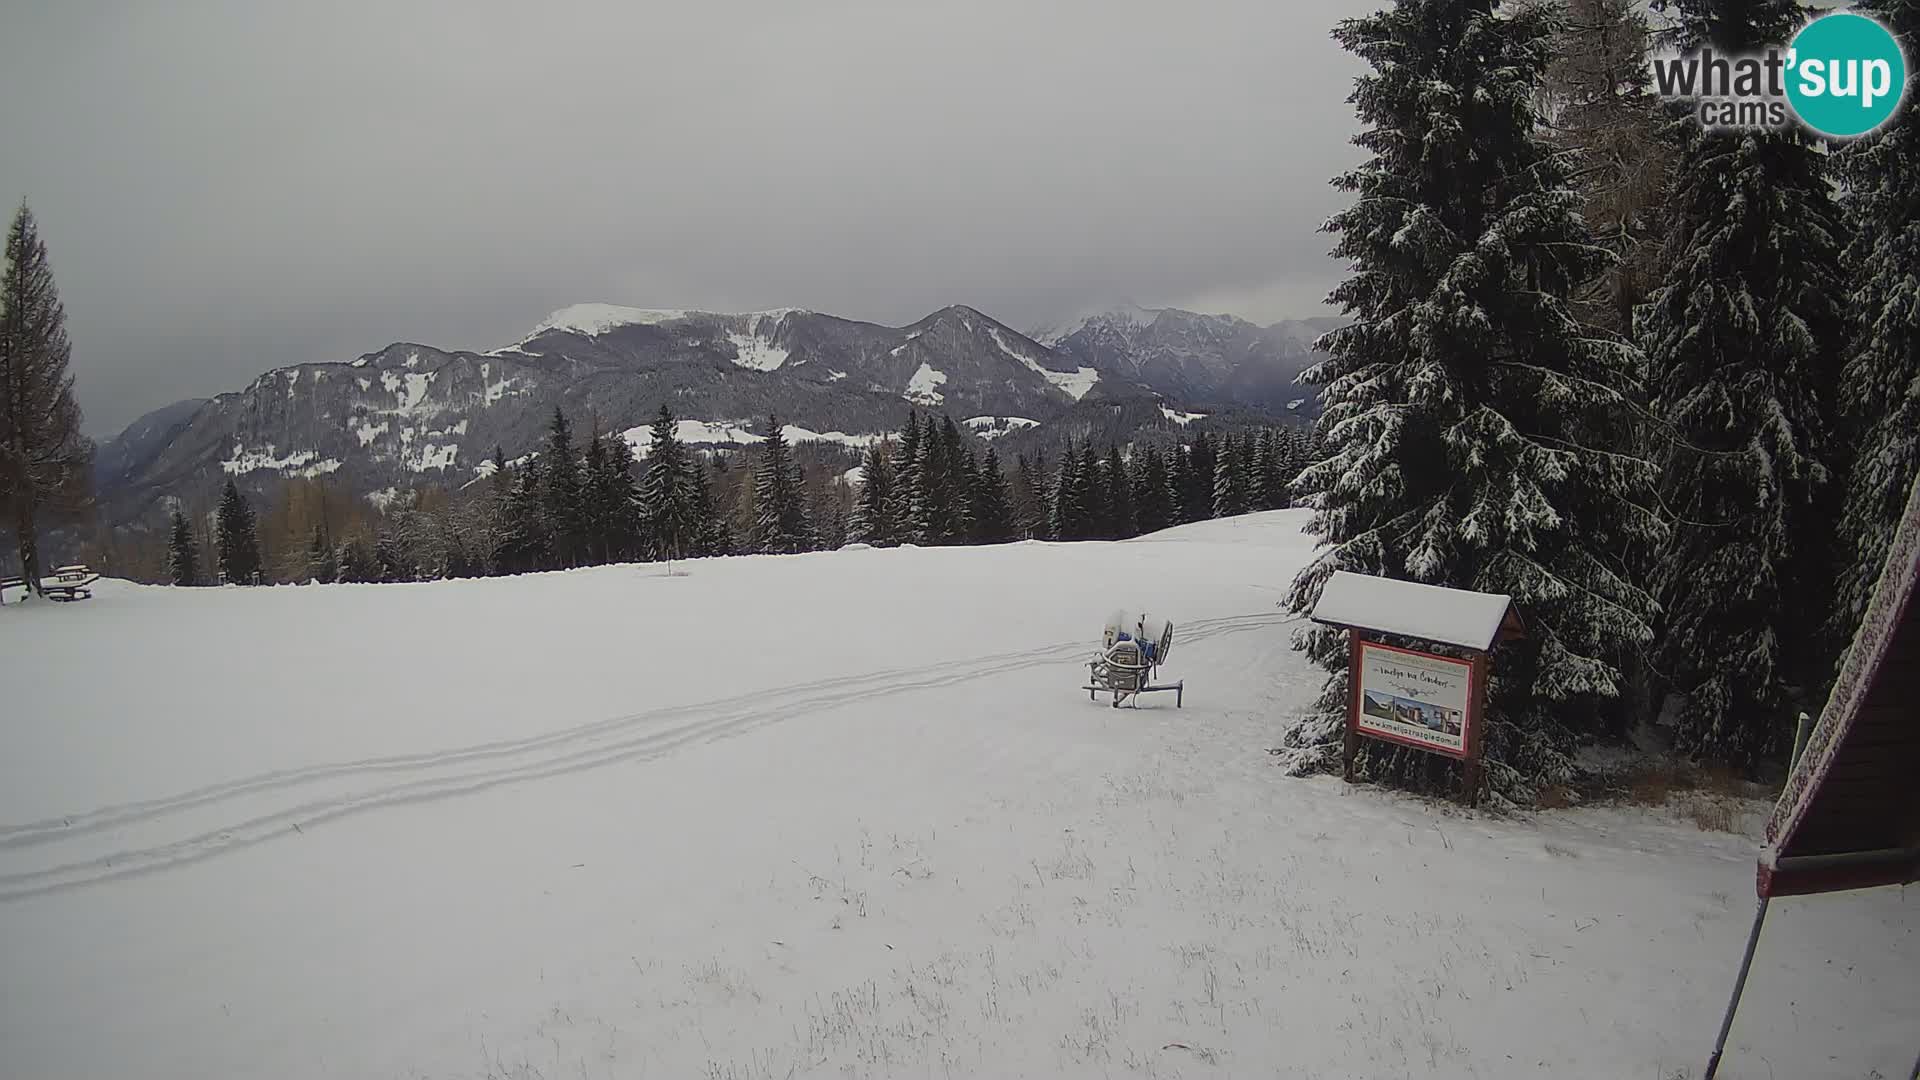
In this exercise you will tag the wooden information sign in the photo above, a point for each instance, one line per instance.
(1411, 697)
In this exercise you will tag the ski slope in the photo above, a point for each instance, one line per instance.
(841, 814)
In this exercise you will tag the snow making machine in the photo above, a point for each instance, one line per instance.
(1131, 652)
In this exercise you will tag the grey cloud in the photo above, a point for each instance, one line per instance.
(230, 187)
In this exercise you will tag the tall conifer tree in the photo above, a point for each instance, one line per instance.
(1120, 511)
(239, 546)
(1742, 341)
(46, 462)
(669, 498)
(1459, 403)
(780, 523)
(183, 556)
(873, 521)
(560, 492)
(1152, 501)
(1880, 386)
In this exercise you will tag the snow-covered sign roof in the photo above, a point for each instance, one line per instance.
(1850, 815)
(1470, 620)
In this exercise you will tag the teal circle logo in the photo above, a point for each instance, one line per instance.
(1846, 74)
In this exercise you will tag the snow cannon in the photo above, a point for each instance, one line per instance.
(1132, 648)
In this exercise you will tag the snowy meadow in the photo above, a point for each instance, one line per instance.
(833, 814)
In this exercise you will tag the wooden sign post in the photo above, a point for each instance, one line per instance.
(1407, 696)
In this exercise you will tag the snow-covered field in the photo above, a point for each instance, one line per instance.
(839, 814)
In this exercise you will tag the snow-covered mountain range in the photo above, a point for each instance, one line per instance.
(412, 414)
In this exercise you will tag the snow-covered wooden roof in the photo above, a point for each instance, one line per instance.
(1850, 815)
(1470, 620)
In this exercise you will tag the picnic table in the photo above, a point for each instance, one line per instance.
(67, 583)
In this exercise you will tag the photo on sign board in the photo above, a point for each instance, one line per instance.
(1414, 697)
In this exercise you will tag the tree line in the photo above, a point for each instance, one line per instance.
(591, 502)
(1658, 383)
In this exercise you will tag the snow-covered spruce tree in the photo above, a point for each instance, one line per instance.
(597, 511)
(1067, 508)
(1281, 469)
(1249, 478)
(46, 462)
(716, 527)
(560, 492)
(1029, 500)
(1094, 490)
(1459, 402)
(872, 521)
(183, 558)
(669, 503)
(828, 515)
(937, 507)
(1197, 492)
(1229, 487)
(1259, 465)
(969, 476)
(1121, 521)
(1179, 482)
(940, 514)
(906, 480)
(1880, 385)
(780, 517)
(961, 467)
(1152, 506)
(1743, 340)
(620, 495)
(525, 542)
(239, 547)
(992, 503)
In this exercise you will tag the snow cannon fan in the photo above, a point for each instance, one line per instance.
(1132, 648)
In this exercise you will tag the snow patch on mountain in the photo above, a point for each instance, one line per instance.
(433, 456)
(736, 433)
(306, 463)
(384, 499)
(702, 432)
(486, 468)
(902, 347)
(752, 352)
(1181, 418)
(921, 388)
(1074, 383)
(411, 390)
(495, 390)
(799, 435)
(366, 432)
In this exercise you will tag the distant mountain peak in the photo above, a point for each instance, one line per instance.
(411, 414)
(592, 320)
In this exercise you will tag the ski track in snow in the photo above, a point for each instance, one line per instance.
(589, 746)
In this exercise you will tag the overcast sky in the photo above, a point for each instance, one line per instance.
(226, 188)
